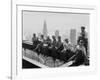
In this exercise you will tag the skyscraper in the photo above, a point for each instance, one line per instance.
(73, 36)
(45, 32)
(56, 33)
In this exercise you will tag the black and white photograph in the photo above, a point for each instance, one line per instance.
(55, 39)
(50, 40)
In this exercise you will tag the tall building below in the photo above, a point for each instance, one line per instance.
(45, 32)
(73, 36)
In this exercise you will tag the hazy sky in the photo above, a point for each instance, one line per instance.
(33, 22)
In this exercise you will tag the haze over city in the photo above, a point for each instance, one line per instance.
(33, 22)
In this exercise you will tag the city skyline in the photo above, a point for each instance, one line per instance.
(53, 22)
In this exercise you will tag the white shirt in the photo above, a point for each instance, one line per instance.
(81, 48)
